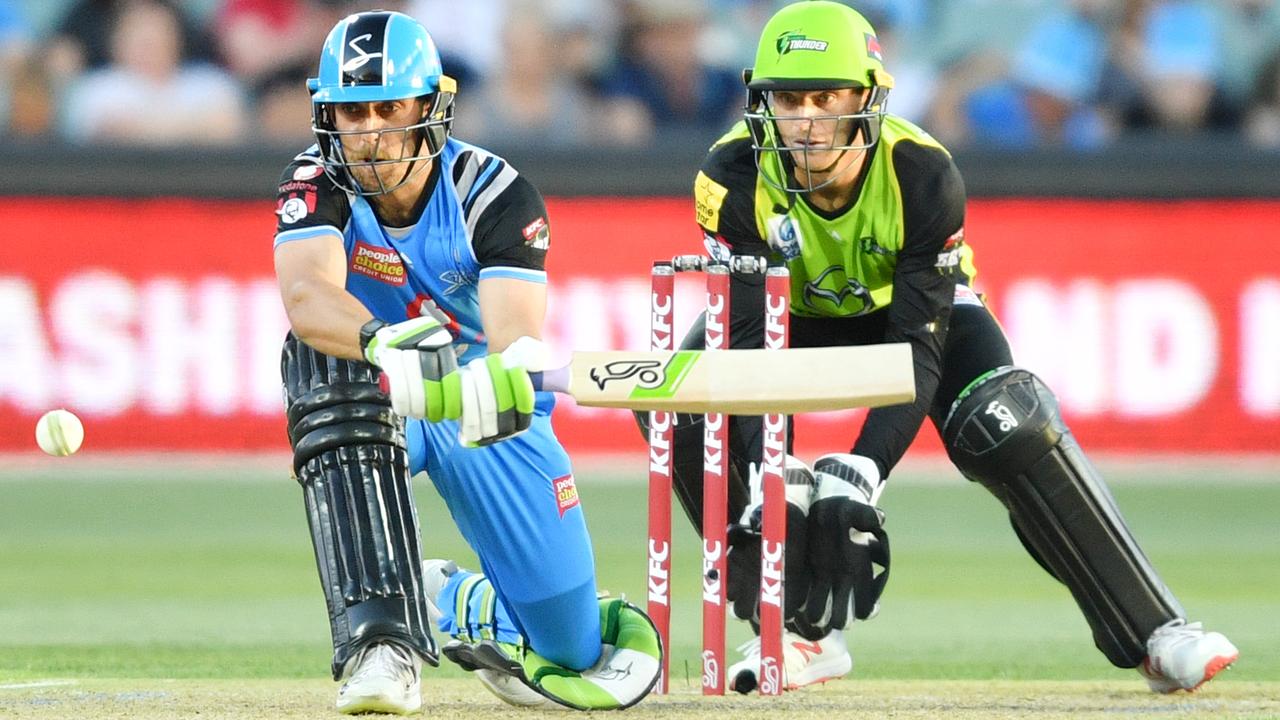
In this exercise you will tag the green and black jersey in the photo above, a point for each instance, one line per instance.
(891, 260)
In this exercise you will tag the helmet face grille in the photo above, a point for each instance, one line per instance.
(772, 155)
(419, 143)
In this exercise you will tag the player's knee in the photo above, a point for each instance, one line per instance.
(1002, 424)
(564, 628)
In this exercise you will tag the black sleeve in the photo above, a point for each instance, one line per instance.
(513, 231)
(933, 200)
(724, 201)
(307, 198)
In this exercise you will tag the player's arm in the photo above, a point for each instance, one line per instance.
(312, 276)
(933, 199)
(311, 262)
(511, 309)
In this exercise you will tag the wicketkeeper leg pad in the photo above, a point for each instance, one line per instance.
(350, 458)
(1005, 432)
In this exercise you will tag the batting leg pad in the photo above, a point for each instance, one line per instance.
(1005, 432)
(350, 458)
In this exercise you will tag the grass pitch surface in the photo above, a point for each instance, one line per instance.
(163, 590)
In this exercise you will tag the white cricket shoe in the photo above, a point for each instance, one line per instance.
(435, 575)
(804, 662)
(382, 677)
(506, 683)
(1182, 656)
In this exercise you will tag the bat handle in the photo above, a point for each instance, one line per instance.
(553, 380)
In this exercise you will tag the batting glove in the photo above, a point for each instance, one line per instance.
(420, 366)
(497, 394)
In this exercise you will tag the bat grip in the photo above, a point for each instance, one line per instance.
(553, 380)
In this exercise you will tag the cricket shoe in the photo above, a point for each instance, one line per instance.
(804, 662)
(382, 677)
(1182, 656)
(492, 665)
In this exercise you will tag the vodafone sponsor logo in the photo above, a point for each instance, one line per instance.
(379, 263)
(566, 493)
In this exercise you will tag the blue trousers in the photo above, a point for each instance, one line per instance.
(516, 505)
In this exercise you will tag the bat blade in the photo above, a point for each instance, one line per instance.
(743, 382)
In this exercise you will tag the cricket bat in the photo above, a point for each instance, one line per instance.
(739, 382)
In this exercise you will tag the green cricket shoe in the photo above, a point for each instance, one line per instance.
(628, 668)
(630, 660)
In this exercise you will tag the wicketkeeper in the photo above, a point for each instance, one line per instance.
(403, 251)
(867, 211)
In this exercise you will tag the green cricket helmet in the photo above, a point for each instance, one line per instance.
(816, 45)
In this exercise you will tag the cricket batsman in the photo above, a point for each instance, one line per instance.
(867, 212)
(406, 254)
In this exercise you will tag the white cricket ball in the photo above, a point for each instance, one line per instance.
(59, 432)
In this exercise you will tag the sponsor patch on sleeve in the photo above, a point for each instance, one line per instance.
(537, 234)
(966, 295)
(295, 200)
(716, 247)
(566, 493)
(708, 196)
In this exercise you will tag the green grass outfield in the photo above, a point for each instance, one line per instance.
(120, 576)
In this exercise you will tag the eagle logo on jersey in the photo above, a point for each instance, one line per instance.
(813, 292)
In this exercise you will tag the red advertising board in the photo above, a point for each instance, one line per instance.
(158, 321)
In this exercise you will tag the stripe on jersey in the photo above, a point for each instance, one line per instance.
(364, 50)
(483, 196)
(514, 273)
(306, 233)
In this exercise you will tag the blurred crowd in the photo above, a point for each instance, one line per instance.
(1015, 74)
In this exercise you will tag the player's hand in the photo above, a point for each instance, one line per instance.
(420, 365)
(743, 560)
(497, 394)
(850, 550)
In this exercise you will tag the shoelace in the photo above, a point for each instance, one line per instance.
(400, 660)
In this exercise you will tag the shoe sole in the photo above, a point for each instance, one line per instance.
(747, 679)
(378, 704)
(1214, 666)
(1211, 669)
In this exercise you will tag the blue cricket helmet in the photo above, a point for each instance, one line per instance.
(376, 56)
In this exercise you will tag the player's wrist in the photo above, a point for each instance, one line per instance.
(847, 475)
(368, 334)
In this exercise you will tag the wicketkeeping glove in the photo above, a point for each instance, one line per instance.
(743, 561)
(849, 558)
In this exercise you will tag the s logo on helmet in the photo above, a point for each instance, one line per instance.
(362, 58)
